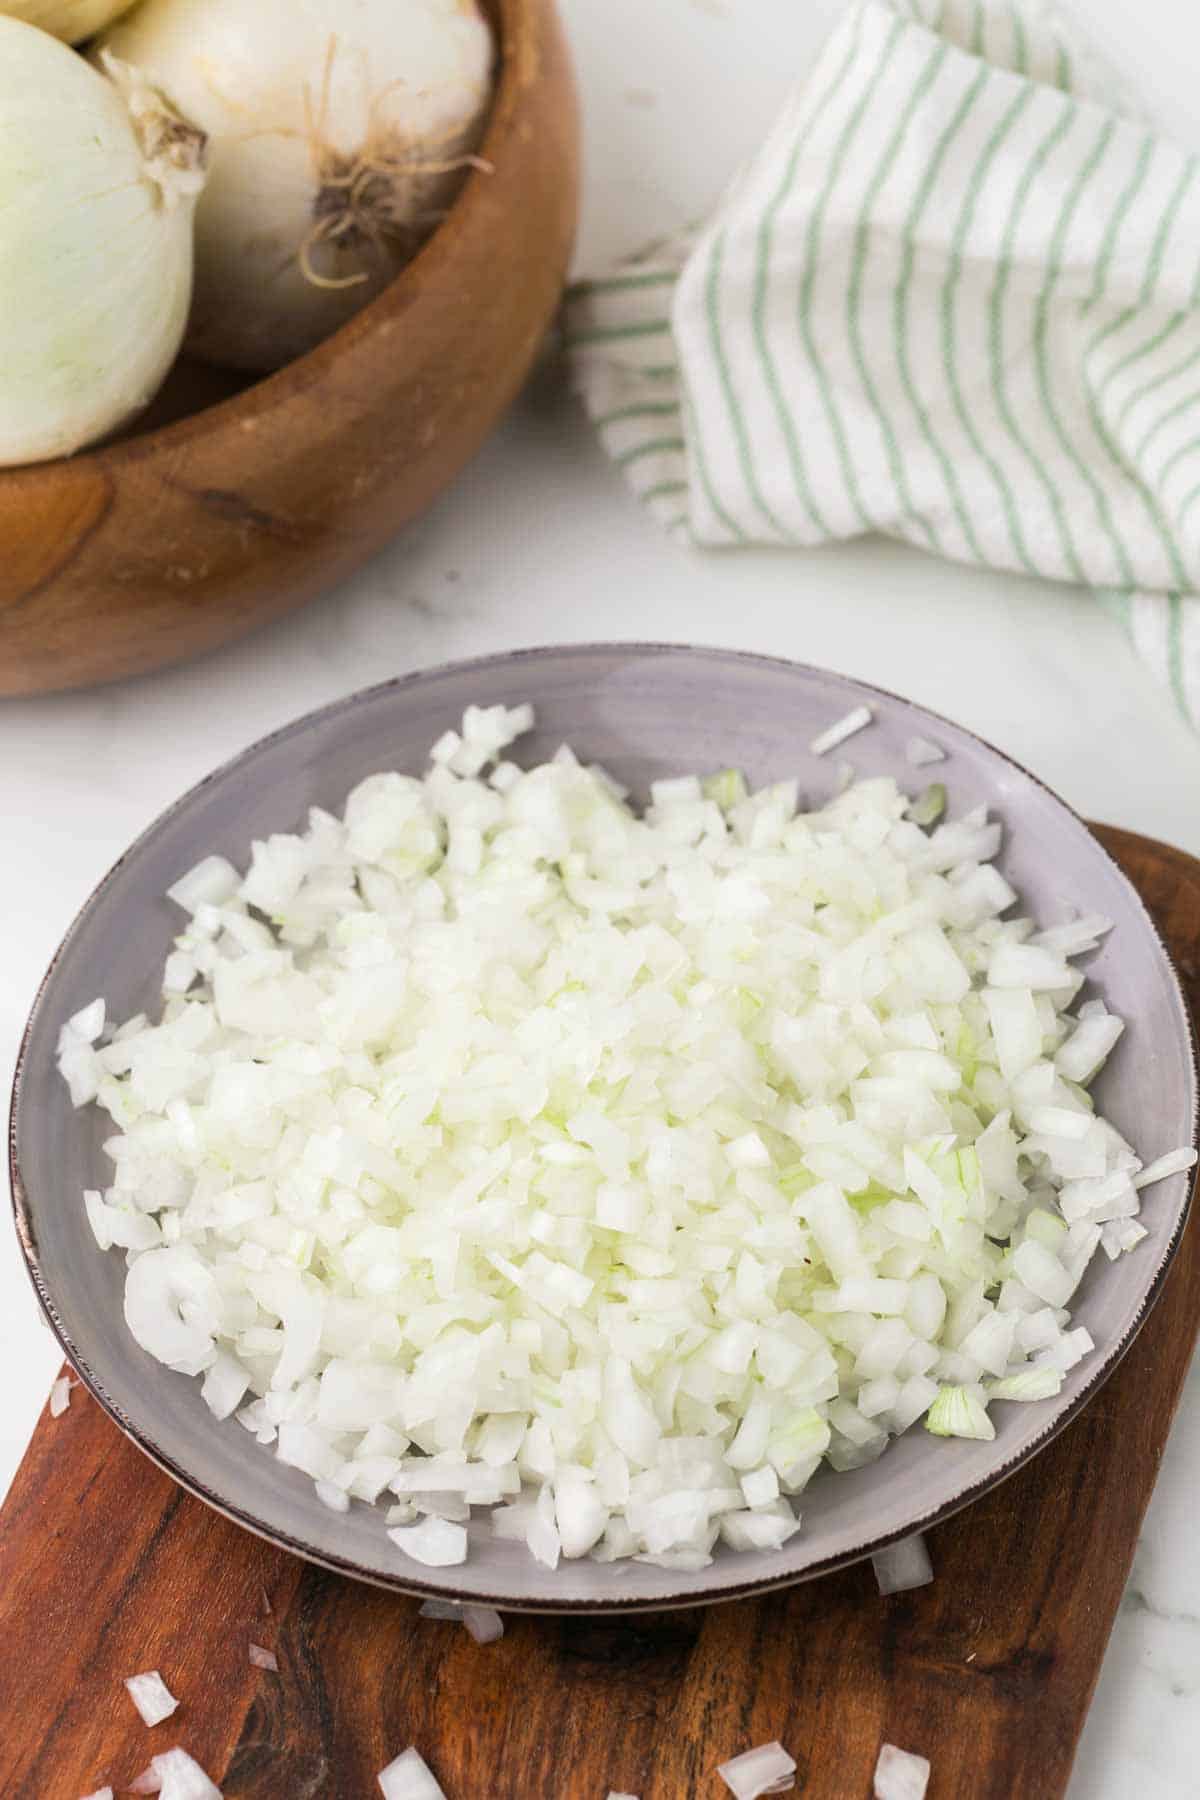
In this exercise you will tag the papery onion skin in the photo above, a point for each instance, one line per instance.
(340, 134)
(95, 254)
(71, 20)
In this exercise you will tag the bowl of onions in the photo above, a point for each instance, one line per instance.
(275, 275)
(621, 1175)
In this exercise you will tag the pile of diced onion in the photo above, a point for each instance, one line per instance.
(502, 1147)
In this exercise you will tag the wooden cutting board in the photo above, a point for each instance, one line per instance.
(107, 1568)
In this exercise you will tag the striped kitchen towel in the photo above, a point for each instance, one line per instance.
(954, 298)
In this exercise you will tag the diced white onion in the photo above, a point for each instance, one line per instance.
(1087, 1047)
(1175, 1162)
(441, 1609)
(87, 1024)
(434, 1542)
(900, 1775)
(211, 882)
(855, 720)
(178, 1777)
(1074, 937)
(922, 750)
(500, 1147)
(765, 1770)
(332, 1496)
(902, 1566)
(1027, 967)
(484, 1623)
(225, 1384)
(409, 1777)
(152, 1697)
(262, 1658)
(60, 1397)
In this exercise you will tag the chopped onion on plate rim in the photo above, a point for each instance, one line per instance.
(922, 750)
(857, 719)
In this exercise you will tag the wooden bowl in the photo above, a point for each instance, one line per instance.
(188, 533)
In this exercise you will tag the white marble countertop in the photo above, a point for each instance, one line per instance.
(540, 542)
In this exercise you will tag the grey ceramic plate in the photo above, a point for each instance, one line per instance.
(645, 711)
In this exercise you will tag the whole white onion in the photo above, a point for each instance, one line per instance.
(339, 132)
(71, 20)
(97, 190)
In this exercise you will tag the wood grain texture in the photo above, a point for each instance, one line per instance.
(106, 1568)
(186, 534)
